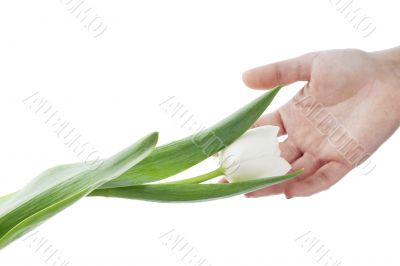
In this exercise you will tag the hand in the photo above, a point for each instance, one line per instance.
(348, 108)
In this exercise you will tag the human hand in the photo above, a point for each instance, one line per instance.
(348, 108)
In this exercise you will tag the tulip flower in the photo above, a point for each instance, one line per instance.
(132, 173)
(254, 155)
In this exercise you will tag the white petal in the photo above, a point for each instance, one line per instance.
(262, 167)
(254, 143)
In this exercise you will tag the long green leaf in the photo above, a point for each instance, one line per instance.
(61, 186)
(175, 157)
(190, 192)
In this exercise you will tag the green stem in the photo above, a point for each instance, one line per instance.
(200, 178)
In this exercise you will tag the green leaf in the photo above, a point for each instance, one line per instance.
(175, 157)
(61, 186)
(190, 192)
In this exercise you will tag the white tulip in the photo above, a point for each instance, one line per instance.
(254, 155)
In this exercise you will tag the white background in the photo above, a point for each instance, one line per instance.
(110, 88)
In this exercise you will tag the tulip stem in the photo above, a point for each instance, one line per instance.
(199, 179)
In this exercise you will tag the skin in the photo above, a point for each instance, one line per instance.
(358, 95)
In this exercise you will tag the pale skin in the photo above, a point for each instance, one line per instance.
(360, 90)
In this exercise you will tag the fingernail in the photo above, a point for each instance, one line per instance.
(288, 196)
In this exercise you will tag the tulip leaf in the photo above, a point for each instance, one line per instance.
(61, 186)
(177, 156)
(126, 174)
(191, 192)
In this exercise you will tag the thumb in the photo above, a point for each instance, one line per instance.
(284, 72)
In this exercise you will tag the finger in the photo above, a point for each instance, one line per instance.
(267, 191)
(322, 179)
(284, 72)
(309, 163)
(273, 118)
(289, 151)
(306, 162)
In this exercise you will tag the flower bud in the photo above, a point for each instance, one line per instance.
(254, 155)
